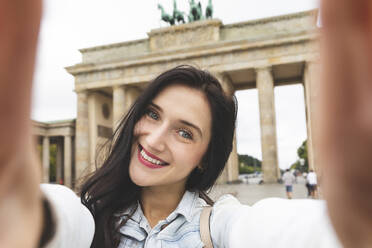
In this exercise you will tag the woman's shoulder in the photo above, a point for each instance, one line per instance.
(53, 190)
(73, 222)
(271, 205)
(295, 223)
(283, 222)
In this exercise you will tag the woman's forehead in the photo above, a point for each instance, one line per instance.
(186, 103)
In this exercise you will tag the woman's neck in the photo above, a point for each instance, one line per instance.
(159, 201)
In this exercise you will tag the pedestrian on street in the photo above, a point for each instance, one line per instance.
(288, 179)
(312, 182)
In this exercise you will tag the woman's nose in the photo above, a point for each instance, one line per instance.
(156, 138)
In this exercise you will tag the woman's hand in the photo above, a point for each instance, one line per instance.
(20, 199)
(345, 130)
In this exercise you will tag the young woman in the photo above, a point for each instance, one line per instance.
(176, 138)
(166, 153)
(171, 147)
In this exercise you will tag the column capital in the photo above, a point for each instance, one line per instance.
(225, 81)
(264, 68)
(125, 87)
(312, 60)
(119, 86)
(81, 92)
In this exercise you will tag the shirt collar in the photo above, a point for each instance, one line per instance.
(185, 207)
(136, 216)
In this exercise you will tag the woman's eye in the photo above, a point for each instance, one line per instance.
(185, 134)
(152, 114)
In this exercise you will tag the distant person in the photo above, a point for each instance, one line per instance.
(312, 183)
(307, 184)
(288, 179)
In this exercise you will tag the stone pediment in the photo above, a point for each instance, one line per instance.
(185, 35)
(197, 35)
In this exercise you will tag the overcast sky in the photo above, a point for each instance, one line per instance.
(69, 25)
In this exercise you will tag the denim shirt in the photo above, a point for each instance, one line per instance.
(181, 230)
(271, 222)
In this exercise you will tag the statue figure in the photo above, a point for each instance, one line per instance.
(195, 11)
(177, 15)
(200, 11)
(209, 10)
(166, 17)
(195, 14)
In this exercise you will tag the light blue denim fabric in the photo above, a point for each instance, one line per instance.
(182, 230)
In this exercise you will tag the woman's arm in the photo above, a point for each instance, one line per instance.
(72, 223)
(20, 198)
(345, 131)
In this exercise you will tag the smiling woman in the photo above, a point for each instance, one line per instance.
(167, 152)
(176, 138)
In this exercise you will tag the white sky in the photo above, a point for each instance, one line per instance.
(69, 25)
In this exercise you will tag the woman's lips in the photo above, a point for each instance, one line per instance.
(153, 164)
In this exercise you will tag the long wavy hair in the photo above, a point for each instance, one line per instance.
(109, 190)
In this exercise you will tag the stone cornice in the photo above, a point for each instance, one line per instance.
(312, 12)
(211, 49)
(54, 129)
(56, 124)
(113, 45)
(184, 27)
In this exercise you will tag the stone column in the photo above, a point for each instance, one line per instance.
(311, 74)
(233, 164)
(123, 97)
(93, 131)
(265, 86)
(231, 171)
(82, 135)
(46, 159)
(59, 161)
(68, 161)
(118, 95)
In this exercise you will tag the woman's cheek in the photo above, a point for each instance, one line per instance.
(194, 154)
(139, 127)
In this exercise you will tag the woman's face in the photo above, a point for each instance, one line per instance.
(171, 138)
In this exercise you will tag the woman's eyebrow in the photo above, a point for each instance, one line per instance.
(182, 121)
(156, 106)
(193, 126)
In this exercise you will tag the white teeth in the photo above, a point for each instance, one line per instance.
(152, 160)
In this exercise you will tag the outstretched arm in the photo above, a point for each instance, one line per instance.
(345, 132)
(20, 200)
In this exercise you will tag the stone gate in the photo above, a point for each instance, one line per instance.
(258, 54)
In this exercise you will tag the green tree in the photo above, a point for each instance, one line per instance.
(248, 164)
(52, 160)
(302, 163)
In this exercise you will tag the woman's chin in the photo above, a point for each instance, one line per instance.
(138, 177)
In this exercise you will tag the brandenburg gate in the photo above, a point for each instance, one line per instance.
(258, 54)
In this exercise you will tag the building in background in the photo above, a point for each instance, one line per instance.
(258, 54)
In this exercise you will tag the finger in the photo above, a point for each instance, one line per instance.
(347, 59)
(346, 13)
(19, 26)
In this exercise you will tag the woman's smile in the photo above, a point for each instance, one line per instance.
(150, 160)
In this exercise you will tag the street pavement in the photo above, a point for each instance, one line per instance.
(251, 193)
